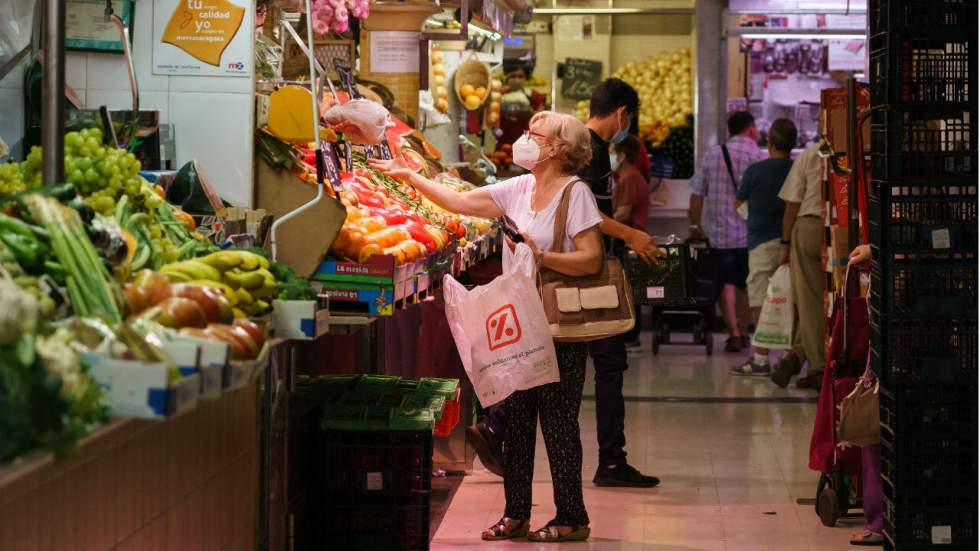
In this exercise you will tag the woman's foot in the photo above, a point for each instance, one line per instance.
(868, 539)
(560, 532)
(507, 529)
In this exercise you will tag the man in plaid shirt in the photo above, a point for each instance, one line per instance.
(712, 214)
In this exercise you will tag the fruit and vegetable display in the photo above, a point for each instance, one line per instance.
(439, 91)
(664, 84)
(679, 148)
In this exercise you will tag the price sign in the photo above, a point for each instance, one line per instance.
(343, 69)
(331, 165)
(384, 149)
(579, 77)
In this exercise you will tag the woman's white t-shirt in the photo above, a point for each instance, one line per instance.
(513, 196)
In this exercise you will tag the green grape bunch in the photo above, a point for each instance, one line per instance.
(100, 173)
(17, 178)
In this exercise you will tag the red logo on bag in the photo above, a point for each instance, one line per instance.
(503, 327)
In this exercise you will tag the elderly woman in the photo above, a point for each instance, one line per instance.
(554, 149)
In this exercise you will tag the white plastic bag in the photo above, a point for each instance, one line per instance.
(775, 327)
(362, 121)
(501, 331)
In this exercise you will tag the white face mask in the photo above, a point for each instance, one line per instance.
(526, 152)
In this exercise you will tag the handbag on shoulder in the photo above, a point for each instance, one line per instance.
(585, 308)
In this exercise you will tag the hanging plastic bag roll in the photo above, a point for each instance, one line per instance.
(501, 331)
(775, 327)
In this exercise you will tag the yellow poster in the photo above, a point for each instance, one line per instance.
(204, 28)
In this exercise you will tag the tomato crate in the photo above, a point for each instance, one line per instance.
(917, 16)
(668, 283)
(930, 473)
(361, 463)
(922, 219)
(929, 417)
(924, 145)
(450, 416)
(911, 521)
(924, 68)
(923, 351)
(378, 523)
(924, 286)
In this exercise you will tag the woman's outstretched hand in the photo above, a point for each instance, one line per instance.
(396, 168)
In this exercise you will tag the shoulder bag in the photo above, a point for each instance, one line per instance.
(584, 308)
(743, 210)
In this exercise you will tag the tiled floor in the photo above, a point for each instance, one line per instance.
(731, 471)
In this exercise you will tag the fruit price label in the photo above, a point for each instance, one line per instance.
(343, 69)
(331, 165)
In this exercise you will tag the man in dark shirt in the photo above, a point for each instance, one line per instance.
(759, 190)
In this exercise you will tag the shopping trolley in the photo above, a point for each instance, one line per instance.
(670, 288)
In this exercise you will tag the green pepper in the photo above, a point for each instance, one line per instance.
(24, 248)
(11, 224)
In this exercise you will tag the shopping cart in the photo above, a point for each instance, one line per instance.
(839, 489)
(669, 287)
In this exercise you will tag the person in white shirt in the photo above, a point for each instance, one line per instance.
(555, 149)
(802, 246)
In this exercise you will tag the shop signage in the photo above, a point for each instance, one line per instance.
(579, 77)
(201, 38)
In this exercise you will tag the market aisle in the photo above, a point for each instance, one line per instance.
(732, 464)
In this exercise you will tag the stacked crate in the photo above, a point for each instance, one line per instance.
(923, 222)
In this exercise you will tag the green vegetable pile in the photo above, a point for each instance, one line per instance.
(679, 147)
(291, 285)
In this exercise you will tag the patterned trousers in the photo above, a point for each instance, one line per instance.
(558, 406)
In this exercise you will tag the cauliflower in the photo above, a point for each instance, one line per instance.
(18, 312)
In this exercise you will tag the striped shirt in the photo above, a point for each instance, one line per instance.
(723, 226)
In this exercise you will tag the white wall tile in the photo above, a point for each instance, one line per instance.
(212, 84)
(76, 70)
(216, 129)
(12, 120)
(14, 80)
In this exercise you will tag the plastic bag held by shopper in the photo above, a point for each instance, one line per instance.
(362, 121)
(501, 331)
(775, 327)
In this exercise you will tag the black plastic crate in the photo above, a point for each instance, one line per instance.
(930, 473)
(946, 521)
(916, 71)
(924, 145)
(359, 463)
(668, 282)
(916, 16)
(916, 286)
(378, 523)
(923, 351)
(908, 219)
(916, 416)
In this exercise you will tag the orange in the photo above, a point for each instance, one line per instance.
(367, 252)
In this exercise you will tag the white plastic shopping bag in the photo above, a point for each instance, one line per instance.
(775, 327)
(501, 331)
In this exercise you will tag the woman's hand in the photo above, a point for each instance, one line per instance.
(527, 241)
(645, 247)
(860, 255)
(396, 168)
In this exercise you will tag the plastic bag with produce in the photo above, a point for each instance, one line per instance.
(362, 121)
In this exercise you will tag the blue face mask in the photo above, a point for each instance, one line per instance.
(621, 135)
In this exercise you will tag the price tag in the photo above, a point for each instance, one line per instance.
(655, 292)
(348, 157)
(940, 239)
(331, 165)
(942, 535)
(384, 149)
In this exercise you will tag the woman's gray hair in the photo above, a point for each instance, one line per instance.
(569, 138)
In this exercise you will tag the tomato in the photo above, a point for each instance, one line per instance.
(393, 217)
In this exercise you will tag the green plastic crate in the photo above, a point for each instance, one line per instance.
(444, 387)
(377, 382)
(412, 419)
(343, 416)
(433, 402)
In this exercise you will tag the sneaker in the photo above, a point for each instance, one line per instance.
(734, 344)
(812, 382)
(623, 476)
(488, 448)
(751, 368)
(786, 369)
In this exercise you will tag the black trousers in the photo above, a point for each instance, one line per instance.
(557, 404)
(610, 361)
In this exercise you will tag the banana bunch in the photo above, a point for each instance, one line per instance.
(242, 276)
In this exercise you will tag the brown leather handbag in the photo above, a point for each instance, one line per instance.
(585, 308)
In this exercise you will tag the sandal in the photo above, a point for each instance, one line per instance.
(560, 532)
(507, 529)
(867, 539)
